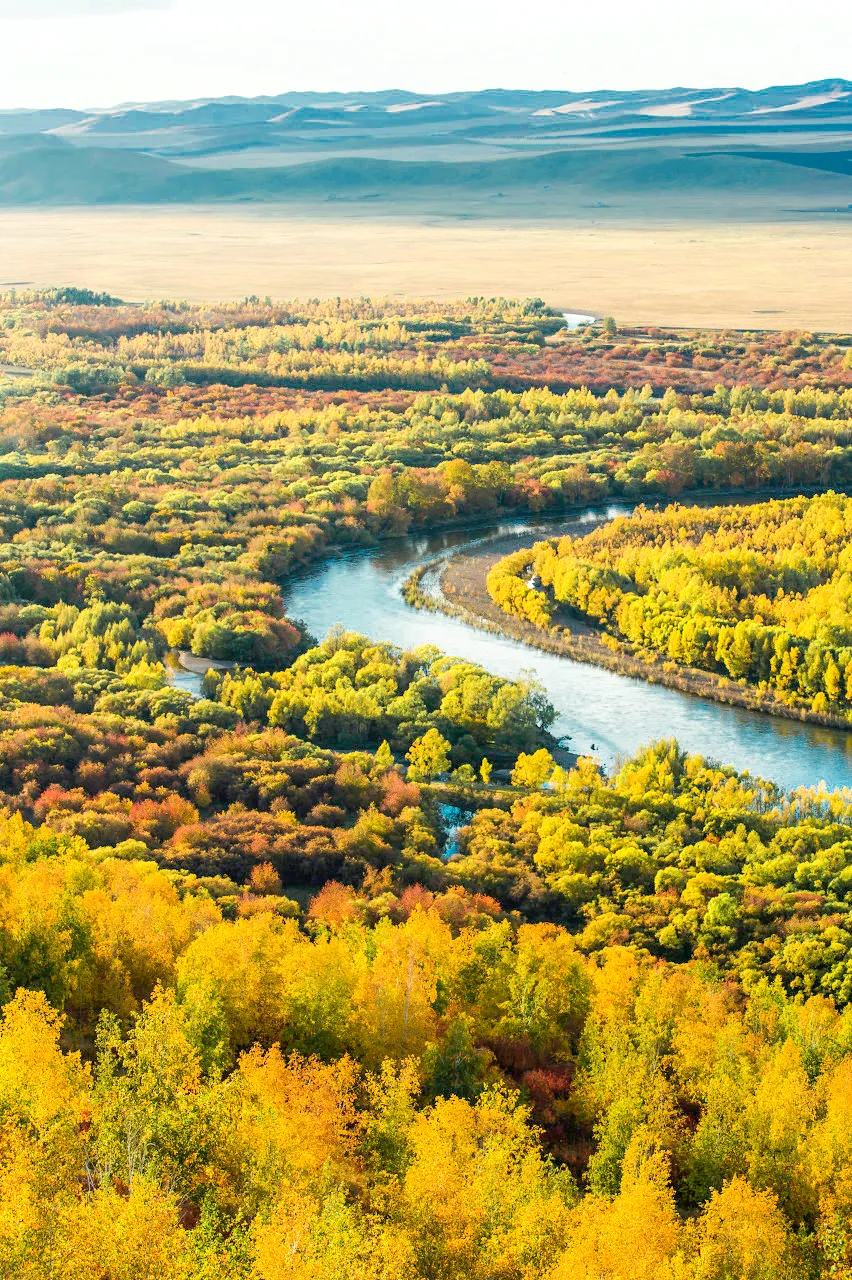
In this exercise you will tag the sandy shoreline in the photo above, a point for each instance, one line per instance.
(463, 593)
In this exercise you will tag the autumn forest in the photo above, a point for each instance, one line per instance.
(265, 1013)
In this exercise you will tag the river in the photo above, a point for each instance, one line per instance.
(599, 711)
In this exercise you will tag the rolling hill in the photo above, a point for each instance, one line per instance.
(782, 150)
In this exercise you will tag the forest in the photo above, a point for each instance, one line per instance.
(260, 1016)
(758, 594)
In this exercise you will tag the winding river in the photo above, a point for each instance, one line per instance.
(599, 711)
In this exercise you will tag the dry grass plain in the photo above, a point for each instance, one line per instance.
(749, 275)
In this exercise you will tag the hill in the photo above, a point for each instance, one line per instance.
(52, 171)
(785, 148)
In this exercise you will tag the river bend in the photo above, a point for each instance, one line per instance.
(600, 711)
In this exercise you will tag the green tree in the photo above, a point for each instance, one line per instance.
(428, 757)
(383, 759)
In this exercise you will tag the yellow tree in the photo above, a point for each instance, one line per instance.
(480, 1197)
(274, 984)
(311, 1237)
(741, 1235)
(394, 999)
(291, 1118)
(533, 770)
(44, 1101)
(548, 990)
(154, 1113)
(633, 1236)
(133, 1236)
(830, 1158)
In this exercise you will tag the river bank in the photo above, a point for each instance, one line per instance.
(584, 514)
(186, 671)
(603, 712)
(456, 585)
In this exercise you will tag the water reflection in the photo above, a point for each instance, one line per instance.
(180, 678)
(616, 713)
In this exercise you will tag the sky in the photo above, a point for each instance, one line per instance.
(99, 53)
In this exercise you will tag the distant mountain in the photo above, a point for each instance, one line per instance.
(790, 146)
(54, 172)
(821, 101)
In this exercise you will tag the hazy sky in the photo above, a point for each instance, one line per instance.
(85, 53)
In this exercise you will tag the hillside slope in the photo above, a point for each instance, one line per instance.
(53, 171)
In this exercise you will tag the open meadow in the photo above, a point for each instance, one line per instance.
(781, 275)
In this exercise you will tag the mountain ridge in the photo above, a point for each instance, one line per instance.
(780, 144)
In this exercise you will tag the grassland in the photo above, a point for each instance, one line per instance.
(753, 275)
